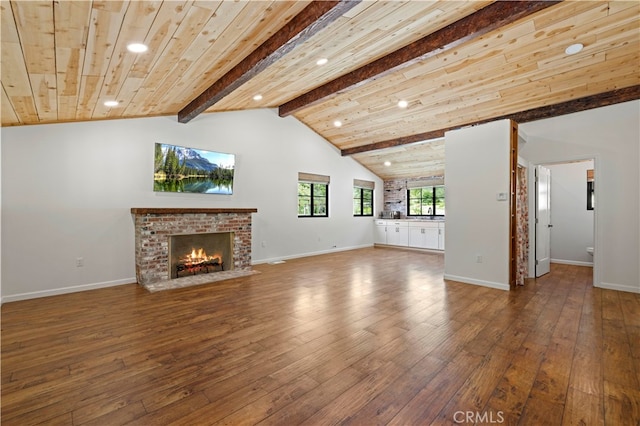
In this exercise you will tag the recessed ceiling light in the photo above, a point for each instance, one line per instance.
(403, 104)
(387, 163)
(111, 103)
(337, 123)
(137, 47)
(573, 49)
(257, 98)
(322, 61)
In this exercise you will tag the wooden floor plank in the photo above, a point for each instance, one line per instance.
(368, 336)
(385, 406)
(427, 404)
(308, 404)
(583, 409)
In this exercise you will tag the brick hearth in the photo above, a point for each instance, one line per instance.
(153, 226)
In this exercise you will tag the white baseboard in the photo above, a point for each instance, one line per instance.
(572, 262)
(618, 287)
(309, 254)
(482, 283)
(65, 290)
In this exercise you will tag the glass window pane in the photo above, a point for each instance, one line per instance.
(440, 200)
(319, 207)
(304, 206)
(367, 195)
(415, 207)
(367, 209)
(357, 201)
(427, 196)
(304, 189)
(319, 190)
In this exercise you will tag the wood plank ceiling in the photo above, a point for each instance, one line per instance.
(61, 60)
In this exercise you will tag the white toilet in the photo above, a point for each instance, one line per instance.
(590, 250)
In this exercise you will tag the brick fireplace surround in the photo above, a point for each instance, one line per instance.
(153, 226)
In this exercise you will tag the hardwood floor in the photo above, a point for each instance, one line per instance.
(371, 336)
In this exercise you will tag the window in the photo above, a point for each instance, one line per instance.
(362, 202)
(313, 195)
(363, 197)
(425, 201)
(590, 190)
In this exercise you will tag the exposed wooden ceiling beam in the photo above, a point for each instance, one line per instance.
(306, 24)
(582, 104)
(475, 25)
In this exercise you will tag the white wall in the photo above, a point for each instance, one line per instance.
(67, 191)
(611, 135)
(0, 223)
(476, 170)
(572, 230)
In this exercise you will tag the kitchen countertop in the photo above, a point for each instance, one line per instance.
(413, 220)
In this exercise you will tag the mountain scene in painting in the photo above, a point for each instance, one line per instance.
(182, 169)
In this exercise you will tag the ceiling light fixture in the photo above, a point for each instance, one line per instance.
(387, 163)
(257, 98)
(574, 48)
(403, 104)
(322, 61)
(110, 103)
(337, 123)
(137, 47)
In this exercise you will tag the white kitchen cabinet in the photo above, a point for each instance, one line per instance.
(407, 233)
(424, 235)
(392, 232)
(397, 233)
(380, 232)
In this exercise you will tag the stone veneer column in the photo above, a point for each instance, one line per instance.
(153, 226)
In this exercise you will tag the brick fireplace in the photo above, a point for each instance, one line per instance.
(154, 228)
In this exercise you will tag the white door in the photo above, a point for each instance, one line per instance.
(543, 220)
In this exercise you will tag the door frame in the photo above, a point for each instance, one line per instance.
(544, 263)
(597, 236)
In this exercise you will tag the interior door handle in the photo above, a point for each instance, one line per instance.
(549, 226)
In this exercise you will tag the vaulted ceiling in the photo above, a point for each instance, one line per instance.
(455, 64)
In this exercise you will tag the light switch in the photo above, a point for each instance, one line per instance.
(502, 196)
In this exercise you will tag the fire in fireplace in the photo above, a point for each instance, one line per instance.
(198, 262)
(188, 253)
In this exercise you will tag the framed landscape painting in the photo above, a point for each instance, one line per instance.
(182, 169)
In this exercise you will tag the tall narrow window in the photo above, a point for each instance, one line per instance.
(362, 197)
(591, 198)
(313, 195)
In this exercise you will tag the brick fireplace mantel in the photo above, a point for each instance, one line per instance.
(155, 210)
(154, 226)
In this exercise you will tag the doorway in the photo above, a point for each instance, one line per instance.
(564, 214)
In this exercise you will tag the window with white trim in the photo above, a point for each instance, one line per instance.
(363, 197)
(313, 195)
(426, 198)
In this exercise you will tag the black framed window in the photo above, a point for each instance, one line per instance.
(362, 201)
(426, 201)
(313, 199)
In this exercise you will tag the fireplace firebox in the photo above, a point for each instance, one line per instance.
(193, 254)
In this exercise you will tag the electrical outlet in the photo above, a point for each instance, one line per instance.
(264, 244)
(479, 258)
(79, 262)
